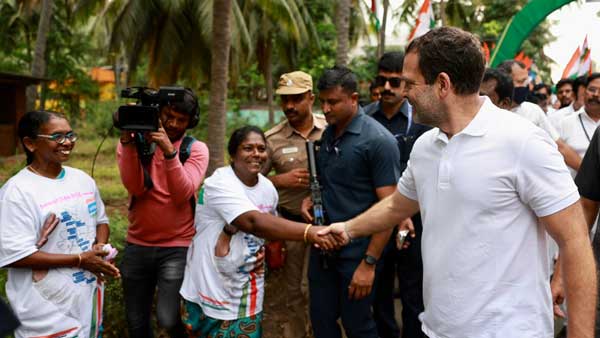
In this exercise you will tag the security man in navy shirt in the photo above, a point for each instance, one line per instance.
(395, 113)
(358, 164)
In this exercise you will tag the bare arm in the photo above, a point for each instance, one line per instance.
(572, 159)
(380, 239)
(90, 260)
(271, 227)
(568, 229)
(102, 233)
(383, 215)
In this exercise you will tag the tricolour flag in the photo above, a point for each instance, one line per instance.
(425, 21)
(585, 62)
(580, 62)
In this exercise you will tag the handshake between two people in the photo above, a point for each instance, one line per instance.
(336, 235)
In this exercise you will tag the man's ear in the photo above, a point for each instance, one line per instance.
(354, 98)
(311, 97)
(444, 84)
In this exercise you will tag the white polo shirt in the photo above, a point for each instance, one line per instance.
(558, 115)
(536, 115)
(485, 262)
(577, 130)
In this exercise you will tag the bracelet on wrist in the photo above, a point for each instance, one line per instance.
(79, 261)
(306, 232)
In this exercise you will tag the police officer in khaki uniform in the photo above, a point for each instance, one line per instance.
(287, 149)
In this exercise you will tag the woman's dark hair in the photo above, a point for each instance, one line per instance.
(239, 135)
(30, 124)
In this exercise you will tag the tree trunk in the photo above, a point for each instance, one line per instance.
(269, 80)
(38, 65)
(443, 12)
(342, 27)
(221, 44)
(381, 47)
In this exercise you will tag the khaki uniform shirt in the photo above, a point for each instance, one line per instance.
(288, 151)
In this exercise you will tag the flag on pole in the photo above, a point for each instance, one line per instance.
(573, 66)
(585, 62)
(373, 16)
(580, 62)
(425, 21)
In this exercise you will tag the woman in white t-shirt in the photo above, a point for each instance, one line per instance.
(223, 285)
(52, 230)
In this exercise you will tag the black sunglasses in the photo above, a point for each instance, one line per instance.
(394, 81)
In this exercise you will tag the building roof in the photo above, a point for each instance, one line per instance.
(13, 78)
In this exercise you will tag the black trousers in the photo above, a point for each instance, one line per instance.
(144, 271)
(407, 265)
(8, 321)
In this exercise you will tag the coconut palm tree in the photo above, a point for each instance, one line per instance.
(277, 25)
(221, 43)
(174, 35)
(342, 26)
(38, 64)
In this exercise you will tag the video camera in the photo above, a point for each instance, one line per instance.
(143, 116)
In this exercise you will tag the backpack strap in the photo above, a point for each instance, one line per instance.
(185, 149)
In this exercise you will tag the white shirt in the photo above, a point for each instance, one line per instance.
(557, 116)
(485, 263)
(226, 287)
(536, 115)
(577, 130)
(67, 300)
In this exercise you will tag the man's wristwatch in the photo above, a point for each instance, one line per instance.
(171, 155)
(370, 260)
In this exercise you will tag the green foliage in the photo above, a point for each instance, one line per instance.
(487, 19)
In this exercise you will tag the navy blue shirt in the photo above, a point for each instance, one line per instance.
(365, 157)
(401, 125)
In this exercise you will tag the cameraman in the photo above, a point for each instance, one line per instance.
(161, 217)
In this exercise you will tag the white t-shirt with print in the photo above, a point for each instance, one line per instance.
(485, 262)
(226, 287)
(67, 302)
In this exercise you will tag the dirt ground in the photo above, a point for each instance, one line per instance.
(274, 310)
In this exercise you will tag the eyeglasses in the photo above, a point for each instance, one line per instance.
(395, 82)
(60, 138)
(592, 90)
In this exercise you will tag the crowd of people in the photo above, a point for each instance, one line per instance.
(480, 166)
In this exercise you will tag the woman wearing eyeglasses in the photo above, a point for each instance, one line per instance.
(52, 230)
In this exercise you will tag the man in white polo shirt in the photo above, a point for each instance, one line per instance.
(577, 129)
(481, 181)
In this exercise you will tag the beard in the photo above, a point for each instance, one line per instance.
(426, 110)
